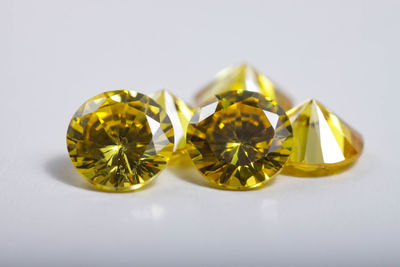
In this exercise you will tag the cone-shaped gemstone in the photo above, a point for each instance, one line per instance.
(119, 140)
(239, 140)
(179, 113)
(324, 144)
(243, 77)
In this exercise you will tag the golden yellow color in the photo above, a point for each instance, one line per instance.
(239, 140)
(179, 113)
(120, 140)
(243, 77)
(324, 144)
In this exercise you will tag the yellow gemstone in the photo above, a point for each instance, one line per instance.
(243, 77)
(239, 140)
(179, 113)
(324, 144)
(120, 140)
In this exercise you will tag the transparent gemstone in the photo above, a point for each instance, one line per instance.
(324, 144)
(243, 77)
(178, 111)
(239, 140)
(120, 140)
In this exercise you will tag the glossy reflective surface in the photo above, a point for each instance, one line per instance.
(239, 140)
(120, 140)
(324, 143)
(243, 77)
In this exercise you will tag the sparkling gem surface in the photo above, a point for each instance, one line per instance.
(239, 140)
(243, 77)
(120, 140)
(179, 113)
(324, 144)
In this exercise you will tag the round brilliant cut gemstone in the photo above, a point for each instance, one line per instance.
(120, 140)
(324, 143)
(239, 140)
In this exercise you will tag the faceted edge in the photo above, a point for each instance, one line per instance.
(163, 94)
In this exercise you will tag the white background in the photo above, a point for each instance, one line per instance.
(54, 55)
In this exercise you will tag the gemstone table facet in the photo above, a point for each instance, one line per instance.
(239, 140)
(120, 140)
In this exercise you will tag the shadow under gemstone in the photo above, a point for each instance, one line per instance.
(60, 168)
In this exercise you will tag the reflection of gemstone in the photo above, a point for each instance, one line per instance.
(239, 140)
(324, 144)
(119, 140)
(243, 77)
(179, 113)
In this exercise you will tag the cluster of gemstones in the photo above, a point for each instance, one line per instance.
(243, 132)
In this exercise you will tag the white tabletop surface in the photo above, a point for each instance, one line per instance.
(56, 54)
